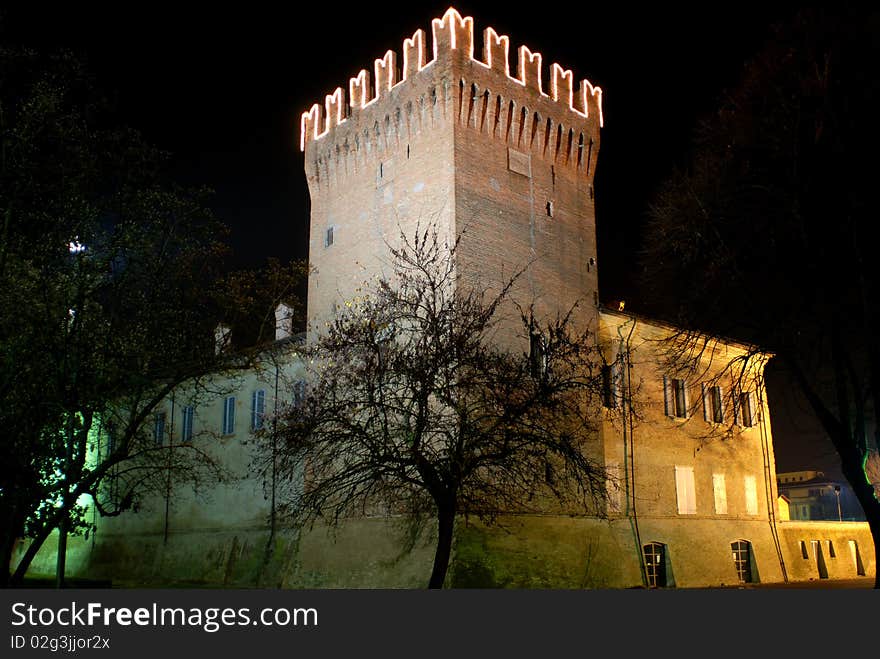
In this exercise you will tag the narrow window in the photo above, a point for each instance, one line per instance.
(509, 121)
(484, 111)
(580, 157)
(258, 409)
(497, 116)
(328, 237)
(299, 393)
(685, 492)
(611, 385)
(589, 158)
(537, 355)
(536, 120)
(742, 560)
(720, 490)
(188, 414)
(713, 404)
(558, 141)
(549, 209)
(159, 428)
(746, 409)
(751, 495)
(568, 146)
(655, 564)
(804, 553)
(547, 130)
(523, 118)
(831, 551)
(856, 558)
(229, 415)
(675, 397)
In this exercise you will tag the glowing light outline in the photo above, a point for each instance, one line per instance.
(490, 36)
(521, 67)
(417, 40)
(307, 120)
(387, 64)
(596, 93)
(339, 97)
(557, 73)
(450, 20)
(466, 23)
(361, 81)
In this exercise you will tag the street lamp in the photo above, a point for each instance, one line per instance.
(837, 492)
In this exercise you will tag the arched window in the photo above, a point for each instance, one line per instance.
(655, 564)
(742, 559)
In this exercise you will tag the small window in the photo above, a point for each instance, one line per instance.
(745, 409)
(328, 237)
(537, 355)
(159, 428)
(713, 404)
(804, 552)
(188, 414)
(229, 415)
(258, 409)
(549, 209)
(831, 552)
(675, 397)
(299, 393)
(612, 384)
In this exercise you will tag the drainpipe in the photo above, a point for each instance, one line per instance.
(629, 448)
(768, 485)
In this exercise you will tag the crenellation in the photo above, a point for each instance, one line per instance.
(528, 69)
(453, 44)
(414, 56)
(385, 70)
(496, 51)
(453, 32)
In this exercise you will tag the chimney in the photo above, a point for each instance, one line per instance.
(221, 338)
(283, 321)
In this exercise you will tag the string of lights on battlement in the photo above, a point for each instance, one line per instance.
(451, 32)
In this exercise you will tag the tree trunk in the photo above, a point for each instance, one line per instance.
(446, 522)
(34, 547)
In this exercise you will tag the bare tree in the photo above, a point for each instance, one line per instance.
(770, 234)
(413, 405)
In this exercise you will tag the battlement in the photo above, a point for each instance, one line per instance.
(450, 33)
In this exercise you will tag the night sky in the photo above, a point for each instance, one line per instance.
(222, 88)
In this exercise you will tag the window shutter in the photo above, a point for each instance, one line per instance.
(667, 396)
(684, 490)
(751, 495)
(258, 408)
(687, 399)
(229, 415)
(720, 490)
(737, 411)
(707, 415)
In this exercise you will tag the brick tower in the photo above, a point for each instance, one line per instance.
(443, 137)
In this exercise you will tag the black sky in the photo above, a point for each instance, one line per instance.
(222, 89)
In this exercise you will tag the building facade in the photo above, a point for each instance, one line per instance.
(452, 137)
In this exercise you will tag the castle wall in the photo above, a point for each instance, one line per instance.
(468, 144)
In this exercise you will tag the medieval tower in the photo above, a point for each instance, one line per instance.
(443, 138)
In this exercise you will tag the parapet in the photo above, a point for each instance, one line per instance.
(450, 33)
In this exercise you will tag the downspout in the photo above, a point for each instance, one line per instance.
(168, 474)
(768, 485)
(629, 449)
